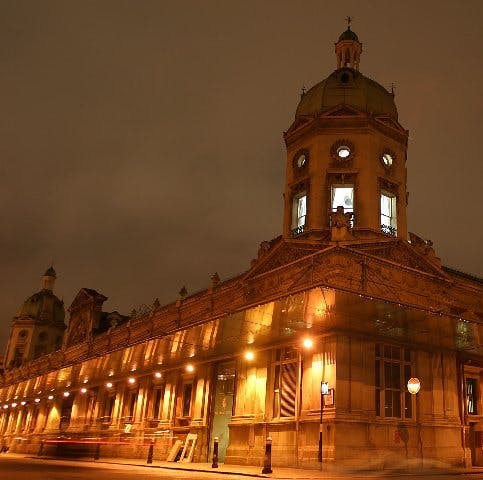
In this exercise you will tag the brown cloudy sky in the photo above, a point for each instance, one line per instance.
(141, 141)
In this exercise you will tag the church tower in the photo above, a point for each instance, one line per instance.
(39, 326)
(346, 158)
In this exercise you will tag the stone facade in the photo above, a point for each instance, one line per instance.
(337, 299)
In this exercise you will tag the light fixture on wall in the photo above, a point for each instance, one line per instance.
(308, 343)
(249, 355)
(158, 374)
(83, 390)
(131, 380)
(190, 368)
(66, 394)
(37, 400)
(109, 385)
(414, 385)
(50, 397)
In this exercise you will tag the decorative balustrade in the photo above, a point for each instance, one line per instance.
(388, 230)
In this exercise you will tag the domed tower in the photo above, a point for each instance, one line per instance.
(39, 326)
(346, 157)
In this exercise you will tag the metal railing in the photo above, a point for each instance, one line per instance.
(388, 230)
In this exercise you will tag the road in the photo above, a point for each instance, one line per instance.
(31, 468)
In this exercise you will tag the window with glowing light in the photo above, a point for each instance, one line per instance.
(285, 383)
(393, 369)
(343, 196)
(299, 212)
(388, 213)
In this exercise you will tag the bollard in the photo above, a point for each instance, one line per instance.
(41, 449)
(267, 461)
(150, 452)
(97, 453)
(215, 453)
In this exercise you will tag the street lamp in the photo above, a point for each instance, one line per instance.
(414, 385)
(324, 390)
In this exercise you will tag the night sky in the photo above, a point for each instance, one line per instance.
(141, 141)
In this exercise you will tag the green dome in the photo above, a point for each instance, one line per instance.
(348, 35)
(44, 306)
(349, 87)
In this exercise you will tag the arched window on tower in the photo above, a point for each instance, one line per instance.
(299, 213)
(347, 60)
(388, 213)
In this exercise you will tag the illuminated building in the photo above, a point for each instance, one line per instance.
(235, 360)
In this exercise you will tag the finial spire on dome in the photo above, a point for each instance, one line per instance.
(348, 49)
(48, 279)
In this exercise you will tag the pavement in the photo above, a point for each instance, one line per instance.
(281, 473)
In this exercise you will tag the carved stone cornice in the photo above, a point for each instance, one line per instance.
(290, 268)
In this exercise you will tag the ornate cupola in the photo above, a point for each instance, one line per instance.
(39, 326)
(348, 49)
(346, 158)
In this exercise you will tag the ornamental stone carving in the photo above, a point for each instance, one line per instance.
(341, 225)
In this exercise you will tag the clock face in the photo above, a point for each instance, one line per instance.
(343, 152)
(301, 160)
(387, 159)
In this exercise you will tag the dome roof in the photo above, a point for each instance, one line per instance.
(348, 35)
(45, 306)
(350, 87)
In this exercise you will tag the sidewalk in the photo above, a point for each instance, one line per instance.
(328, 472)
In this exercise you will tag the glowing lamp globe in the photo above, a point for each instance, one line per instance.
(249, 355)
(414, 385)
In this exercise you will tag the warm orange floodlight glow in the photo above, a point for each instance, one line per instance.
(109, 385)
(308, 343)
(131, 380)
(190, 368)
(66, 394)
(249, 355)
(414, 385)
(158, 374)
(83, 390)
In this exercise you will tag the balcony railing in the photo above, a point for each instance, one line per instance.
(297, 230)
(388, 230)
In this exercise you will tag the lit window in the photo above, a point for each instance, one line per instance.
(299, 213)
(388, 213)
(392, 371)
(343, 196)
(471, 396)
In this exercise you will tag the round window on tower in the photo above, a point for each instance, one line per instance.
(301, 159)
(342, 151)
(387, 158)
(22, 334)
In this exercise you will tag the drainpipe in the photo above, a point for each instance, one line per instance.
(461, 398)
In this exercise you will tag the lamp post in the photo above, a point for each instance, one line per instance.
(324, 390)
(414, 385)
